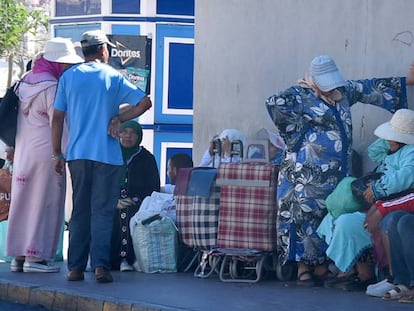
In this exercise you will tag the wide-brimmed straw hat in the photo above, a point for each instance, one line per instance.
(400, 128)
(61, 50)
(325, 74)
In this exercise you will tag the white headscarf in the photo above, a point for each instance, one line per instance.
(233, 135)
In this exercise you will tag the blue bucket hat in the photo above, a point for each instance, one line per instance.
(325, 74)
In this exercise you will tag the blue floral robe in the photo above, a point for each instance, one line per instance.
(318, 137)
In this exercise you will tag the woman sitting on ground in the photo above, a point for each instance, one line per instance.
(140, 179)
(350, 244)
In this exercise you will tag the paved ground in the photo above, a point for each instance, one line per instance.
(176, 291)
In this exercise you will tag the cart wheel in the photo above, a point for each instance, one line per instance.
(285, 272)
(234, 273)
(260, 271)
(213, 262)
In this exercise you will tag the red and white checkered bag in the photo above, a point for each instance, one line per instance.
(247, 216)
(197, 219)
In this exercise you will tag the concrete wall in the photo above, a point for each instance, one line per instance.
(247, 50)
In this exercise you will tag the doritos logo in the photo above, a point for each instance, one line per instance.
(124, 53)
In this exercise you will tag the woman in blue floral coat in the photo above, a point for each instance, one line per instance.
(314, 119)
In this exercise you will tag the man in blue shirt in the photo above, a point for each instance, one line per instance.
(89, 96)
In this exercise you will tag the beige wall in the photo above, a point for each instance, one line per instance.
(247, 50)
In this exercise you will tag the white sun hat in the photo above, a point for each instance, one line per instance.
(61, 50)
(400, 128)
(325, 73)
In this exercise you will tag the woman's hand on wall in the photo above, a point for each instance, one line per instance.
(410, 75)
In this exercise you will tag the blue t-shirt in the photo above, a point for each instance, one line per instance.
(91, 94)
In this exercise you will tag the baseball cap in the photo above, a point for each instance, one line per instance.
(94, 37)
(326, 74)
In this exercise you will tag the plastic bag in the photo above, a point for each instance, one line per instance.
(155, 244)
(342, 200)
(156, 203)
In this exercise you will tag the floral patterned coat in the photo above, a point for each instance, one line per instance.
(318, 137)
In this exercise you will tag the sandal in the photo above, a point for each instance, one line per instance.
(396, 293)
(407, 297)
(308, 281)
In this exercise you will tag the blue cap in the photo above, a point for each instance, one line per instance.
(325, 74)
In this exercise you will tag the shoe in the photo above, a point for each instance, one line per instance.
(305, 279)
(379, 289)
(75, 275)
(337, 282)
(408, 297)
(103, 275)
(396, 292)
(136, 266)
(16, 265)
(42, 266)
(357, 285)
(125, 266)
(320, 279)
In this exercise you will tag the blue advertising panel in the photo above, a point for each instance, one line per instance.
(174, 72)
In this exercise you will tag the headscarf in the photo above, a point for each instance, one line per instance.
(308, 83)
(43, 65)
(127, 153)
(233, 135)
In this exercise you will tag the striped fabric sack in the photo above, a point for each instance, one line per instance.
(197, 219)
(248, 207)
(156, 245)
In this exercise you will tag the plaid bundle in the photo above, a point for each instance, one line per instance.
(257, 174)
(248, 208)
(197, 219)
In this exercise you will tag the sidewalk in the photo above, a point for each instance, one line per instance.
(176, 291)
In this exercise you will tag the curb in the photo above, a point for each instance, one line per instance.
(53, 299)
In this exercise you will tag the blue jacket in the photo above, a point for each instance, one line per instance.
(398, 168)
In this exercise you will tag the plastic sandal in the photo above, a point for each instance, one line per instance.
(308, 282)
(408, 297)
(396, 293)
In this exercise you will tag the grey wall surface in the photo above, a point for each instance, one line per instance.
(247, 50)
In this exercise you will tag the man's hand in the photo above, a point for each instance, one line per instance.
(410, 76)
(114, 127)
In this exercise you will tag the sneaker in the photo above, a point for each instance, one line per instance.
(16, 265)
(42, 266)
(125, 266)
(379, 289)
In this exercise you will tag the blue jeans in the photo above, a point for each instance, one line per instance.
(95, 196)
(385, 221)
(400, 234)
